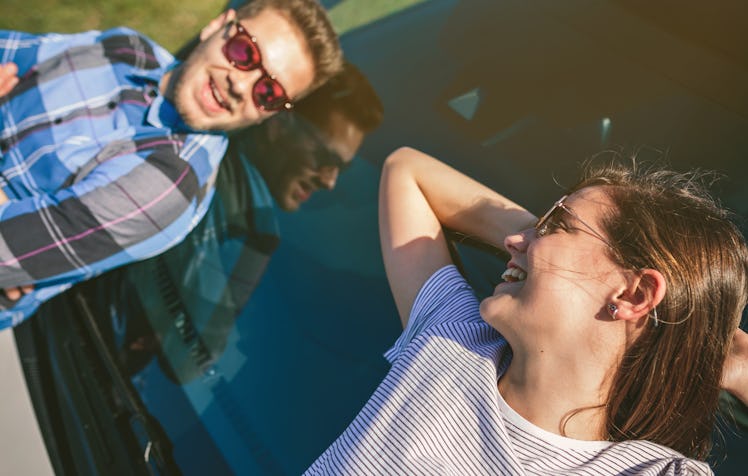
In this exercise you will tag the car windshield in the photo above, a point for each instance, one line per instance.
(257, 340)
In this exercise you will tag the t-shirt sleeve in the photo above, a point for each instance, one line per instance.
(445, 297)
(687, 467)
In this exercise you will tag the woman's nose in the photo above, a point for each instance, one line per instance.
(519, 241)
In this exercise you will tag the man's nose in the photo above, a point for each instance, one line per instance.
(241, 83)
(328, 177)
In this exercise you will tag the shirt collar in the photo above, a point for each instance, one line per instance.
(161, 112)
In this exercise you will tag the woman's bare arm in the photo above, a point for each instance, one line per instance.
(417, 196)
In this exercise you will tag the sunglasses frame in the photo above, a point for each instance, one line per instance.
(242, 32)
(332, 160)
(542, 230)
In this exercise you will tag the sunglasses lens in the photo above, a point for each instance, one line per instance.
(242, 52)
(542, 227)
(269, 94)
(325, 157)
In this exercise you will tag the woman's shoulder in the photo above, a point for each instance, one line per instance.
(646, 457)
(445, 298)
(446, 308)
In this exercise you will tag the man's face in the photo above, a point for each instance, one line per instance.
(211, 94)
(301, 178)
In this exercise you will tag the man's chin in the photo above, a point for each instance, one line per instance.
(200, 124)
(288, 204)
(193, 122)
(197, 121)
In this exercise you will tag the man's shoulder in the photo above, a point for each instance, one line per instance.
(125, 44)
(124, 31)
(118, 45)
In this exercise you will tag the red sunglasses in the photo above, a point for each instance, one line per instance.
(242, 52)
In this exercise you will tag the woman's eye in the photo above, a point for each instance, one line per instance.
(553, 225)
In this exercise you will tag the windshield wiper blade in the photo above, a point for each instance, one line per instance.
(156, 445)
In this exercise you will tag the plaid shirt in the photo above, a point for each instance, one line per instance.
(99, 169)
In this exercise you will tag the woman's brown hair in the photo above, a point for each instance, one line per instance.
(666, 388)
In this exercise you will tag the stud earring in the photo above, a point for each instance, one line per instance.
(613, 310)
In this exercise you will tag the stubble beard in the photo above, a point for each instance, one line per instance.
(182, 104)
(182, 97)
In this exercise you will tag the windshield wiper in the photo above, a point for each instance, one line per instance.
(156, 445)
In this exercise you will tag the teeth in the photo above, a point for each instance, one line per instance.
(514, 274)
(217, 95)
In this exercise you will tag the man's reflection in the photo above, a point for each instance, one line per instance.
(181, 306)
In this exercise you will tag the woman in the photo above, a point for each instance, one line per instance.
(600, 353)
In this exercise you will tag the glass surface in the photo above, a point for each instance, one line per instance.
(257, 341)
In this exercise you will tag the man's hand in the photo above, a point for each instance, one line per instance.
(8, 78)
(735, 373)
(14, 294)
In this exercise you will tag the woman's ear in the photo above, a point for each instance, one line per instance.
(216, 24)
(643, 293)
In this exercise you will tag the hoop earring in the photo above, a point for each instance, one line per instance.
(656, 321)
(613, 310)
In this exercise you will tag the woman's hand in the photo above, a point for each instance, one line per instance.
(735, 373)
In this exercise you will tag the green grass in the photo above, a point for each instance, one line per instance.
(350, 14)
(169, 22)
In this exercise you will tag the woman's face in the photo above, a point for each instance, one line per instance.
(560, 282)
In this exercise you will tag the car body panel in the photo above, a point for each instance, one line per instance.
(22, 449)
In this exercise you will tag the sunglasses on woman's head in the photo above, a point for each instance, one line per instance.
(242, 52)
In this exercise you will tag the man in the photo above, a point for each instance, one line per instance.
(109, 148)
(300, 154)
(182, 304)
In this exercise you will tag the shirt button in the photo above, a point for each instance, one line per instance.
(111, 105)
(58, 120)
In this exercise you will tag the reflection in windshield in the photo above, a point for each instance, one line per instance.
(189, 296)
(509, 93)
(179, 309)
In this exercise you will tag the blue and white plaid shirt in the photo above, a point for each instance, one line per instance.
(98, 167)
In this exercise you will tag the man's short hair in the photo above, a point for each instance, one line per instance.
(348, 93)
(314, 24)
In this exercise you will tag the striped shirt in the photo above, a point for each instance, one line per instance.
(438, 410)
(98, 167)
